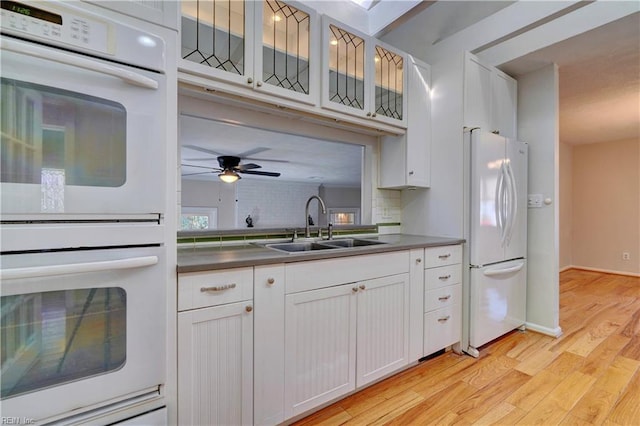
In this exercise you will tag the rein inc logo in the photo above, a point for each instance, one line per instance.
(17, 421)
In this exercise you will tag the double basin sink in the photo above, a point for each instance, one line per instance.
(302, 246)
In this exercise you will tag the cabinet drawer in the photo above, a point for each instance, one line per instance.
(441, 328)
(442, 297)
(210, 288)
(443, 276)
(441, 256)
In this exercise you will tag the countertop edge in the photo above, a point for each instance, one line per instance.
(201, 260)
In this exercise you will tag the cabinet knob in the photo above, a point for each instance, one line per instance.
(368, 114)
(411, 173)
(249, 80)
(354, 289)
(270, 281)
(374, 114)
(418, 260)
(259, 84)
(363, 287)
(248, 308)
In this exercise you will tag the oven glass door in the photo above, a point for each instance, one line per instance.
(79, 135)
(80, 329)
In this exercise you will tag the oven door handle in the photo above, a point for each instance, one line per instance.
(79, 62)
(77, 268)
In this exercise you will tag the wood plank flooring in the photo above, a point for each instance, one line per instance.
(590, 375)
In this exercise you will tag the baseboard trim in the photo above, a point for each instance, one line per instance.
(604, 271)
(553, 332)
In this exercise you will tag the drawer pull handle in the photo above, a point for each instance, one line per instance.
(444, 256)
(443, 298)
(218, 288)
(444, 277)
(443, 319)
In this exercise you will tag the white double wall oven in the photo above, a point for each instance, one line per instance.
(83, 158)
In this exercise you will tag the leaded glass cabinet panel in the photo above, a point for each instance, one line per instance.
(217, 39)
(345, 69)
(389, 77)
(287, 55)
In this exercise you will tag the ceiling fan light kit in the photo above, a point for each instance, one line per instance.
(228, 176)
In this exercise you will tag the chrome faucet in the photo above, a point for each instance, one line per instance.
(307, 232)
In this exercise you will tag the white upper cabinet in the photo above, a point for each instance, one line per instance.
(405, 160)
(270, 46)
(362, 76)
(490, 98)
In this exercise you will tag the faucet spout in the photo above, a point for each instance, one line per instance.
(307, 232)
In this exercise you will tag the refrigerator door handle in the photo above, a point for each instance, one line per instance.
(503, 271)
(500, 204)
(512, 208)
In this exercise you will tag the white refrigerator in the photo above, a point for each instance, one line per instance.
(496, 232)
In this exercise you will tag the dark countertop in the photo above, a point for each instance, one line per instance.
(194, 259)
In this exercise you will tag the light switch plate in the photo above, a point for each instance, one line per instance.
(535, 201)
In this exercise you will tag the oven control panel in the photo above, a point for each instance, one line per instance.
(50, 22)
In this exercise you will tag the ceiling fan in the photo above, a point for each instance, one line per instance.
(230, 166)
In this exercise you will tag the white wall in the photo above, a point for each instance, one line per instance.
(275, 204)
(566, 205)
(201, 193)
(538, 106)
(606, 206)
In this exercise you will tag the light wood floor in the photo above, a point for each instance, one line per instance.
(590, 375)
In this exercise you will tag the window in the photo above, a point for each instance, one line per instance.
(198, 218)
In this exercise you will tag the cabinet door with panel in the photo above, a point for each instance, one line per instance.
(269, 46)
(405, 160)
(383, 327)
(269, 349)
(362, 76)
(215, 365)
(320, 346)
(490, 98)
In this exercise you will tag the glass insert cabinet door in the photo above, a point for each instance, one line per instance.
(267, 45)
(361, 75)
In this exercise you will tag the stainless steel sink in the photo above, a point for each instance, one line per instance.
(352, 242)
(300, 246)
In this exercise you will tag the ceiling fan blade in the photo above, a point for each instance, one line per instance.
(251, 172)
(200, 159)
(252, 151)
(261, 160)
(202, 167)
(199, 173)
(248, 166)
(205, 150)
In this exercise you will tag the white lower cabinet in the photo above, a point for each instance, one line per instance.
(382, 327)
(215, 348)
(320, 347)
(215, 375)
(442, 297)
(343, 337)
